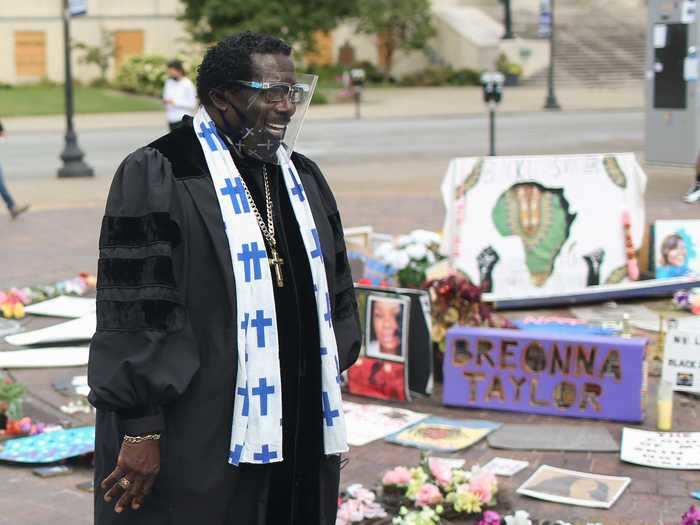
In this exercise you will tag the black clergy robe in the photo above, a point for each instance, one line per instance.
(164, 356)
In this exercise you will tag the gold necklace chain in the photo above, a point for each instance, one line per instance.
(268, 230)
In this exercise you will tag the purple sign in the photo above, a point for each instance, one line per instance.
(545, 373)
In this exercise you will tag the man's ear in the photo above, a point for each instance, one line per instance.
(218, 99)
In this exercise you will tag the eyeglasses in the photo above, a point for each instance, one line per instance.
(278, 91)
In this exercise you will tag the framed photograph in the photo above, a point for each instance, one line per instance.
(676, 248)
(386, 327)
(574, 488)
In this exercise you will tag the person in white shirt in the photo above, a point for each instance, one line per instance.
(179, 95)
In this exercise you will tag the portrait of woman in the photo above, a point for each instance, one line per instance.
(673, 258)
(385, 329)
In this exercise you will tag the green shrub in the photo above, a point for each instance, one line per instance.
(373, 75)
(319, 97)
(505, 66)
(146, 74)
(441, 76)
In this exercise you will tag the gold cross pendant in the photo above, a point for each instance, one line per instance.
(276, 263)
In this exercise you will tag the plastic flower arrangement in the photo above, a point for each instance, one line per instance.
(457, 301)
(434, 489)
(410, 256)
(692, 517)
(359, 505)
(13, 301)
(688, 300)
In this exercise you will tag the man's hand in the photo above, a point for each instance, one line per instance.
(168, 101)
(139, 464)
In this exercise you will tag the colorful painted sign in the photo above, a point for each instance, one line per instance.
(529, 227)
(556, 374)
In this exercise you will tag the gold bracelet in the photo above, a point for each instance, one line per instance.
(140, 439)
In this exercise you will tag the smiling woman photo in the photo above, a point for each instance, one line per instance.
(385, 329)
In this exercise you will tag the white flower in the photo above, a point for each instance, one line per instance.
(416, 251)
(519, 518)
(383, 250)
(401, 260)
(404, 240)
(425, 237)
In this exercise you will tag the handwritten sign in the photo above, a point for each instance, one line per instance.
(669, 450)
(545, 373)
(681, 366)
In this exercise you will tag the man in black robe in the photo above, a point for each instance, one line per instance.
(162, 367)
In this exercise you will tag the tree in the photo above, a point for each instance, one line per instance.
(100, 55)
(399, 24)
(295, 21)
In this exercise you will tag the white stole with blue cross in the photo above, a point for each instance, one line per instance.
(256, 434)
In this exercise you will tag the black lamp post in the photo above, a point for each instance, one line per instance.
(72, 155)
(551, 102)
(507, 20)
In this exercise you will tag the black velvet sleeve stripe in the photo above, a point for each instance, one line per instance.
(140, 315)
(136, 252)
(148, 271)
(138, 231)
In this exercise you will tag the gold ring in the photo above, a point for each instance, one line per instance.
(124, 483)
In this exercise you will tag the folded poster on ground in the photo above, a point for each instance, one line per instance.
(49, 446)
(64, 306)
(505, 466)
(574, 488)
(81, 329)
(442, 434)
(365, 423)
(667, 450)
(57, 357)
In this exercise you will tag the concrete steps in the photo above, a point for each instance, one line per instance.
(598, 43)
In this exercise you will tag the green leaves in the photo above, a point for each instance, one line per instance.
(295, 21)
(400, 24)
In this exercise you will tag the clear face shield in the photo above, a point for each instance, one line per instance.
(272, 114)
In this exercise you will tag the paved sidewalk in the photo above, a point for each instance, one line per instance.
(387, 102)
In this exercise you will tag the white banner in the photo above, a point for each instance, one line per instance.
(542, 224)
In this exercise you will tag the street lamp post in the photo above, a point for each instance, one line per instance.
(507, 20)
(551, 102)
(72, 155)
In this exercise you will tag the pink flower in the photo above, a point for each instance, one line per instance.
(490, 518)
(482, 486)
(428, 495)
(397, 476)
(691, 517)
(349, 512)
(441, 471)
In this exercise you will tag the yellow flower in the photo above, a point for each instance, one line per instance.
(465, 501)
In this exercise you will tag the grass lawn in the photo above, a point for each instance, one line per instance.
(49, 100)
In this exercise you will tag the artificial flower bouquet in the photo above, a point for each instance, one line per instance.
(13, 301)
(359, 506)
(437, 490)
(457, 301)
(410, 256)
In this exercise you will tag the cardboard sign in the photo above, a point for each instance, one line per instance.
(556, 374)
(681, 365)
(668, 450)
(528, 227)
